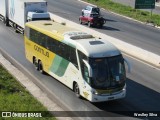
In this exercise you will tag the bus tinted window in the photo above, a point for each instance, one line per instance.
(59, 48)
(42, 39)
(73, 57)
(81, 57)
(64, 51)
(51, 44)
(33, 35)
(38, 38)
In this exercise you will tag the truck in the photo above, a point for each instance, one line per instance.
(3, 10)
(17, 12)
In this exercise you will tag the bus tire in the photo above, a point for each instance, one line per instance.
(76, 90)
(40, 67)
(35, 63)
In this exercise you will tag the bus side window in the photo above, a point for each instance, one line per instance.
(33, 35)
(63, 49)
(85, 73)
(58, 48)
(51, 44)
(73, 57)
(67, 52)
(84, 69)
(42, 39)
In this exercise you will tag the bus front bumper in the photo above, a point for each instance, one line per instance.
(103, 98)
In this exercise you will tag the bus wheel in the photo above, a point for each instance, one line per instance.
(40, 67)
(76, 90)
(35, 63)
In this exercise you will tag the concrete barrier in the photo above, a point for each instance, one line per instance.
(127, 48)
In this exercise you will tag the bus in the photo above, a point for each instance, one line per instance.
(92, 67)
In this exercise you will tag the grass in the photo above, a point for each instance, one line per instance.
(14, 97)
(140, 15)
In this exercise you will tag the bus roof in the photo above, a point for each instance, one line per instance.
(86, 43)
(91, 46)
(49, 26)
(97, 48)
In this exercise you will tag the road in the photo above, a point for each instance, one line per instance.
(143, 86)
(140, 35)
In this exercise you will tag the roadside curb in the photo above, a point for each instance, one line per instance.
(25, 81)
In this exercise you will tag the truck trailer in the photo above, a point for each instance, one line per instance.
(18, 12)
(3, 11)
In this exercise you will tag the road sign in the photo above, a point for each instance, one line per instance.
(144, 4)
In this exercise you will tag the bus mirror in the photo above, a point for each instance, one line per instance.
(89, 68)
(128, 64)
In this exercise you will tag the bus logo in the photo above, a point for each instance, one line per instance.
(40, 50)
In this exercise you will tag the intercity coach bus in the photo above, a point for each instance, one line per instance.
(92, 67)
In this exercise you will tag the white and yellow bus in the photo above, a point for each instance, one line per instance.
(92, 67)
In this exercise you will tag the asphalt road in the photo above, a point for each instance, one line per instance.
(140, 35)
(143, 86)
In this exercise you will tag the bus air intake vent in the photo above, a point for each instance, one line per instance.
(81, 37)
(96, 42)
(63, 23)
(47, 24)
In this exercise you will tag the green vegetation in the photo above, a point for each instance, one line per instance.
(14, 97)
(140, 15)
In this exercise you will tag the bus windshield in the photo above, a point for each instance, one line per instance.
(108, 72)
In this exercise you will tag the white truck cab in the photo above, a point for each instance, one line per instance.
(21, 11)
